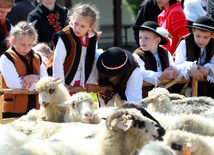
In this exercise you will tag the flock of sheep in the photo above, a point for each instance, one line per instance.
(170, 124)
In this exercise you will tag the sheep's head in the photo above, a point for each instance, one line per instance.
(160, 100)
(131, 120)
(80, 108)
(156, 95)
(47, 88)
(181, 141)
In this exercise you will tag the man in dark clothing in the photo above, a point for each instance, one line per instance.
(20, 11)
(148, 11)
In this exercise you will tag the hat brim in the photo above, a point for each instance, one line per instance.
(200, 28)
(136, 28)
(115, 72)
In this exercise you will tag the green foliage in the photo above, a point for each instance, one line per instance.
(133, 6)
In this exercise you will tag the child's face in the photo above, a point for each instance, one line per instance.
(202, 38)
(23, 44)
(81, 25)
(163, 3)
(4, 12)
(148, 40)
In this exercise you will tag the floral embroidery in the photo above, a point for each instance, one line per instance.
(53, 19)
(87, 40)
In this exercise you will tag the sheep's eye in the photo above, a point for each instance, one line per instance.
(51, 91)
(73, 106)
(139, 124)
(176, 147)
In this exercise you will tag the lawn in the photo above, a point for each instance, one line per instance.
(94, 96)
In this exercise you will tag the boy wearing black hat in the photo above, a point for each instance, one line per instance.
(155, 61)
(118, 68)
(195, 54)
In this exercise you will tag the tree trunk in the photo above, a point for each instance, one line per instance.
(117, 23)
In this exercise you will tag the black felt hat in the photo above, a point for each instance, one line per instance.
(205, 23)
(154, 27)
(115, 61)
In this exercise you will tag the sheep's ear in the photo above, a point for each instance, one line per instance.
(58, 81)
(124, 124)
(147, 100)
(175, 96)
(63, 104)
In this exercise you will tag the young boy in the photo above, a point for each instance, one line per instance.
(194, 54)
(155, 61)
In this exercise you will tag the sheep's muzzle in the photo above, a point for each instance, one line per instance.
(44, 104)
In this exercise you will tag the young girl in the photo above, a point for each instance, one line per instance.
(76, 49)
(156, 62)
(195, 54)
(173, 19)
(21, 67)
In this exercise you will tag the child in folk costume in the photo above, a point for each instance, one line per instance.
(117, 67)
(21, 67)
(195, 54)
(155, 61)
(77, 49)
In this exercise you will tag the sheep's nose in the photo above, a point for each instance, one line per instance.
(88, 114)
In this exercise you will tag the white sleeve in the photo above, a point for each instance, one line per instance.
(8, 71)
(59, 59)
(134, 85)
(148, 75)
(181, 60)
(199, 9)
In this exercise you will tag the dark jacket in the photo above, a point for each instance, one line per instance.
(148, 11)
(42, 23)
(5, 28)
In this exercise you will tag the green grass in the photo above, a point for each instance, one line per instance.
(94, 96)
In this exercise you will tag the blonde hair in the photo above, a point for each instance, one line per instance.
(6, 3)
(24, 28)
(43, 48)
(85, 10)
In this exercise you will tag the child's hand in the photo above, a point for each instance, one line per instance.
(68, 87)
(204, 71)
(28, 80)
(196, 74)
(169, 73)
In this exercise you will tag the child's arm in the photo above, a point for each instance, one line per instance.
(59, 59)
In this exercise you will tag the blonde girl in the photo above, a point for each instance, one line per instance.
(21, 67)
(77, 48)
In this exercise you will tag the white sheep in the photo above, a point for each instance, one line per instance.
(80, 109)
(51, 93)
(11, 139)
(182, 141)
(56, 104)
(194, 123)
(45, 130)
(159, 100)
(156, 148)
(123, 132)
